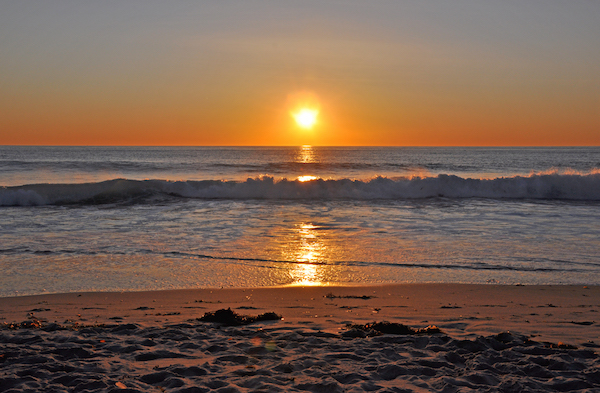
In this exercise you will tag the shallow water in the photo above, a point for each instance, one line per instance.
(490, 220)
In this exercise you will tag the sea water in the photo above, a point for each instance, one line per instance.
(150, 218)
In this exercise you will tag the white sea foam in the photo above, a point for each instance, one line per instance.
(553, 185)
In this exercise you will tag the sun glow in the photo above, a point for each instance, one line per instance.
(306, 117)
(306, 178)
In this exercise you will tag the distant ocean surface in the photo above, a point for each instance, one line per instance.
(150, 218)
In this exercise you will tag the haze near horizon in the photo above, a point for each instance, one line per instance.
(426, 73)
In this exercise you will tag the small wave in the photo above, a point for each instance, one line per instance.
(279, 263)
(548, 186)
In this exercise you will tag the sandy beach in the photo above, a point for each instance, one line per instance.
(493, 338)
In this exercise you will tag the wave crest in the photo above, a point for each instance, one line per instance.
(549, 186)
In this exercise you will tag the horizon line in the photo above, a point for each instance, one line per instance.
(300, 145)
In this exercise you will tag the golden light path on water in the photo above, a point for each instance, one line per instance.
(308, 251)
(314, 248)
(306, 154)
(308, 247)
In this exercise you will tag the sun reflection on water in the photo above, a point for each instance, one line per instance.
(306, 154)
(307, 250)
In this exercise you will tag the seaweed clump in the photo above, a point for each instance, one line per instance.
(231, 318)
(377, 328)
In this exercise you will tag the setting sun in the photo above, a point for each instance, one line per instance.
(306, 118)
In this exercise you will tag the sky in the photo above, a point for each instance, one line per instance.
(380, 73)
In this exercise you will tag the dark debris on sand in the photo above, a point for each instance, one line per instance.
(231, 318)
(43, 325)
(330, 295)
(31, 324)
(377, 328)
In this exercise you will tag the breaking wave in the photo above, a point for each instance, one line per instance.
(546, 186)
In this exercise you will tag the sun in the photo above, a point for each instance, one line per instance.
(306, 117)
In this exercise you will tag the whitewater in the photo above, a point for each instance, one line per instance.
(549, 186)
(133, 218)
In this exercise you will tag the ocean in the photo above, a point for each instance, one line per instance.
(152, 218)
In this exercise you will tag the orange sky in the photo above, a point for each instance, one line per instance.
(383, 73)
